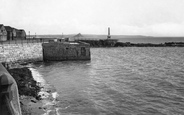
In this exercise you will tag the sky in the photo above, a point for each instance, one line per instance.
(124, 17)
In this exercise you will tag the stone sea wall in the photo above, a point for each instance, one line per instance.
(26, 52)
(57, 51)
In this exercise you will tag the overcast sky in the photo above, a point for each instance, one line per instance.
(124, 17)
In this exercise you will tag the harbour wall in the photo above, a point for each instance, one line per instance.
(26, 52)
(57, 51)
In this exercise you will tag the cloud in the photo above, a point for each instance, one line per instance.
(168, 29)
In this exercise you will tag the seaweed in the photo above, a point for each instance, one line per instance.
(27, 86)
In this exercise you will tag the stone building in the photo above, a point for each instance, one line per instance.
(20, 34)
(3, 33)
(62, 51)
(11, 33)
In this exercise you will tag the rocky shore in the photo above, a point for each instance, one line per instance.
(29, 89)
(32, 95)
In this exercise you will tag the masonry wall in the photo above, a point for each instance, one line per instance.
(60, 51)
(21, 52)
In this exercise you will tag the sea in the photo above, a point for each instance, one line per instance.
(122, 38)
(116, 81)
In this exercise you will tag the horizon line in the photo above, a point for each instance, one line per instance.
(105, 35)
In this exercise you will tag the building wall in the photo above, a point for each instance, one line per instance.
(3, 37)
(56, 51)
(3, 34)
(9, 35)
(20, 34)
(14, 33)
(23, 34)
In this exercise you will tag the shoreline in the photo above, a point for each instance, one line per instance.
(36, 96)
(28, 91)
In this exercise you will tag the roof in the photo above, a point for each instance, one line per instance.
(8, 28)
(19, 30)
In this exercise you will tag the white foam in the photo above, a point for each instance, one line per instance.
(46, 103)
(47, 113)
(55, 95)
(37, 76)
(57, 111)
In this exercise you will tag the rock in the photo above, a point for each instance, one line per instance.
(26, 84)
(33, 101)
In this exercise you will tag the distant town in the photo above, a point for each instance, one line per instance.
(11, 33)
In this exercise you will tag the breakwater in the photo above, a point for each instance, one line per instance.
(166, 44)
(27, 52)
(115, 43)
(99, 43)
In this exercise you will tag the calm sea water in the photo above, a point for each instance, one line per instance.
(119, 81)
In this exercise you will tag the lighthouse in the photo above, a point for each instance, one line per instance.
(108, 36)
